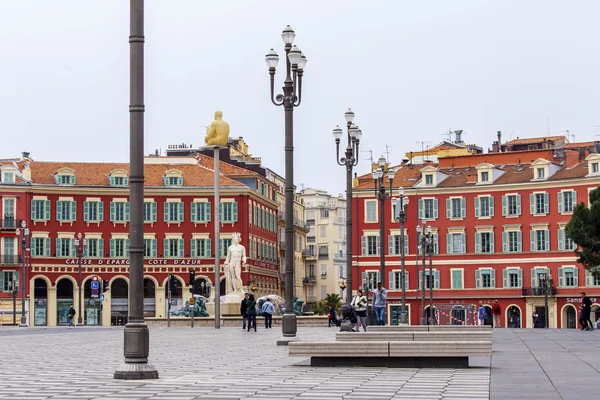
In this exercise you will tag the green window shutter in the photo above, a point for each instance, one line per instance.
(519, 242)
(532, 239)
(207, 212)
(574, 196)
(59, 216)
(166, 248)
(533, 278)
(363, 280)
(207, 248)
(221, 245)
(463, 207)
(111, 180)
(477, 202)
(588, 278)
(492, 242)
(47, 247)
(546, 203)
(477, 242)
(127, 242)
(436, 244)
(532, 203)
(47, 209)
(363, 241)
(421, 213)
(180, 180)
(520, 278)
(561, 239)
(391, 245)
(478, 279)
(86, 211)
(518, 204)
(193, 212)
(504, 206)
(436, 277)
(154, 213)
(391, 283)
(464, 243)
(435, 208)
(101, 211)
(560, 202)
(448, 243)
(112, 211)
(127, 211)
(58, 252)
(576, 277)
(505, 282)
(235, 212)
(547, 240)
(165, 180)
(505, 242)
(193, 248)
(181, 211)
(112, 248)
(491, 206)
(406, 245)
(33, 210)
(220, 211)
(378, 245)
(448, 208)
(561, 277)
(86, 250)
(101, 247)
(181, 248)
(73, 211)
(493, 277)
(154, 247)
(125, 181)
(166, 211)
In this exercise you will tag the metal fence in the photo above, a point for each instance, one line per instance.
(454, 314)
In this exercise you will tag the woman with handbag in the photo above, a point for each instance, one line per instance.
(251, 311)
(360, 306)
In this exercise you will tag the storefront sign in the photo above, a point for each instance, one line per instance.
(124, 261)
(264, 264)
(578, 299)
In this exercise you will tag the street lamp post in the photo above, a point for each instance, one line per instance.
(426, 239)
(295, 62)
(382, 195)
(401, 213)
(79, 244)
(136, 335)
(349, 160)
(24, 235)
(544, 279)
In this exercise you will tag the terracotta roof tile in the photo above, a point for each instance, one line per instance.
(577, 145)
(533, 140)
(225, 168)
(96, 174)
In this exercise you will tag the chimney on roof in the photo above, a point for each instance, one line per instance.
(404, 161)
(457, 137)
(571, 158)
(428, 162)
(25, 154)
(499, 141)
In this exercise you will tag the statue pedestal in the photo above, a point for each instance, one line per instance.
(230, 305)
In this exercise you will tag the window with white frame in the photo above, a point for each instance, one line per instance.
(595, 167)
(370, 279)
(93, 211)
(40, 247)
(94, 247)
(484, 206)
(428, 208)
(540, 240)
(173, 248)
(324, 213)
(456, 276)
(485, 278)
(512, 278)
(429, 179)
(431, 281)
(200, 211)
(174, 211)
(567, 200)
(512, 241)
(456, 243)
(150, 214)
(511, 205)
(568, 277)
(592, 278)
(370, 245)
(228, 212)
(484, 242)
(119, 211)
(64, 247)
(395, 280)
(394, 243)
(565, 243)
(119, 248)
(540, 173)
(537, 276)
(66, 210)
(200, 248)
(539, 203)
(371, 210)
(8, 177)
(456, 208)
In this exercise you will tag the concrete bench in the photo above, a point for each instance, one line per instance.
(414, 354)
(428, 328)
(455, 336)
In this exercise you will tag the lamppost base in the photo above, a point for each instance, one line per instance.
(289, 328)
(22, 325)
(403, 318)
(423, 321)
(136, 349)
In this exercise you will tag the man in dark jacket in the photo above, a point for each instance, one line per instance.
(71, 316)
(584, 316)
(244, 311)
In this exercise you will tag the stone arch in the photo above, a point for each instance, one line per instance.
(114, 278)
(507, 316)
(564, 317)
(69, 277)
(43, 277)
(153, 279)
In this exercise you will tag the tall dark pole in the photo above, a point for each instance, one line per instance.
(423, 254)
(291, 98)
(382, 199)
(136, 334)
(79, 243)
(432, 317)
(402, 209)
(349, 160)
(24, 234)
(546, 298)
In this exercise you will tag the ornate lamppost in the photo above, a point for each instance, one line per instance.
(79, 245)
(291, 98)
(382, 195)
(349, 160)
(24, 235)
(401, 213)
(427, 249)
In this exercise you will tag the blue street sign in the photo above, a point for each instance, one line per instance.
(95, 285)
(101, 296)
(94, 292)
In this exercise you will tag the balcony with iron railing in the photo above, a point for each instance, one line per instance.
(339, 256)
(309, 280)
(323, 256)
(540, 290)
(297, 222)
(310, 221)
(9, 222)
(310, 239)
(339, 221)
(10, 259)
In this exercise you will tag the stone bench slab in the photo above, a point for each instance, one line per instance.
(432, 348)
(339, 349)
(410, 336)
(429, 328)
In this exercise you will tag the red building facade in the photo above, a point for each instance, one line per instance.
(60, 200)
(498, 222)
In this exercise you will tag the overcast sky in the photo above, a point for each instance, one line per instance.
(409, 70)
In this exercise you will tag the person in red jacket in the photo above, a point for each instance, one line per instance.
(496, 313)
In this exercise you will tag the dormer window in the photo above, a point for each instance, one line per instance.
(485, 176)
(431, 176)
(487, 173)
(173, 177)
(65, 176)
(593, 162)
(66, 180)
(541, 173)
(118, 178)
(429, 179)
(595, 168)
(8, 177)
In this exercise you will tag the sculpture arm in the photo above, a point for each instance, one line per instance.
(228, 258)
(243, 254)
(210, 132)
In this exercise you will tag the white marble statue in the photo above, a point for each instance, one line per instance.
(236, 255)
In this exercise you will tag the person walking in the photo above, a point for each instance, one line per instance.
(359, 302)
(496, 312)
(71, 316)
(267, 311)
(244, 310)
(584, 315)
(481, 313)
(332, 314)
(536, 318)
(251, 302)
(379, 298)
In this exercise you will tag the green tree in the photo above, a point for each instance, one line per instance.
(321, 308)
(584, 230)
(333, 299)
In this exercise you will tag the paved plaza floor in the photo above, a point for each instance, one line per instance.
(203, 363)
